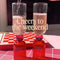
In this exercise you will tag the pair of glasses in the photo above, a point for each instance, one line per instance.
(39, 18)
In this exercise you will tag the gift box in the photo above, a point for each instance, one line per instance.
(7, 40)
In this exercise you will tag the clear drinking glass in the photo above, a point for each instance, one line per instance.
(19, 18)
(19, 22)
(39, 25)
(40, 17)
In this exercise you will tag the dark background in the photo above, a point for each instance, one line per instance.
(53, 10)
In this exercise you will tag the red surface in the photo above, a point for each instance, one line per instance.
(8, 55)
(51, 53)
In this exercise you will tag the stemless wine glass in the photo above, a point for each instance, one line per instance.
(39, 25)
(19, 16)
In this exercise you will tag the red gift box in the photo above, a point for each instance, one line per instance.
(8, 39)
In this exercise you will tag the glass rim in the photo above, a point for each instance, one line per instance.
(15, 3)
(41, 3)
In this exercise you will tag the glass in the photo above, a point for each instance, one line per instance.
(39, 25)
(40, 17)
(19, 16)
